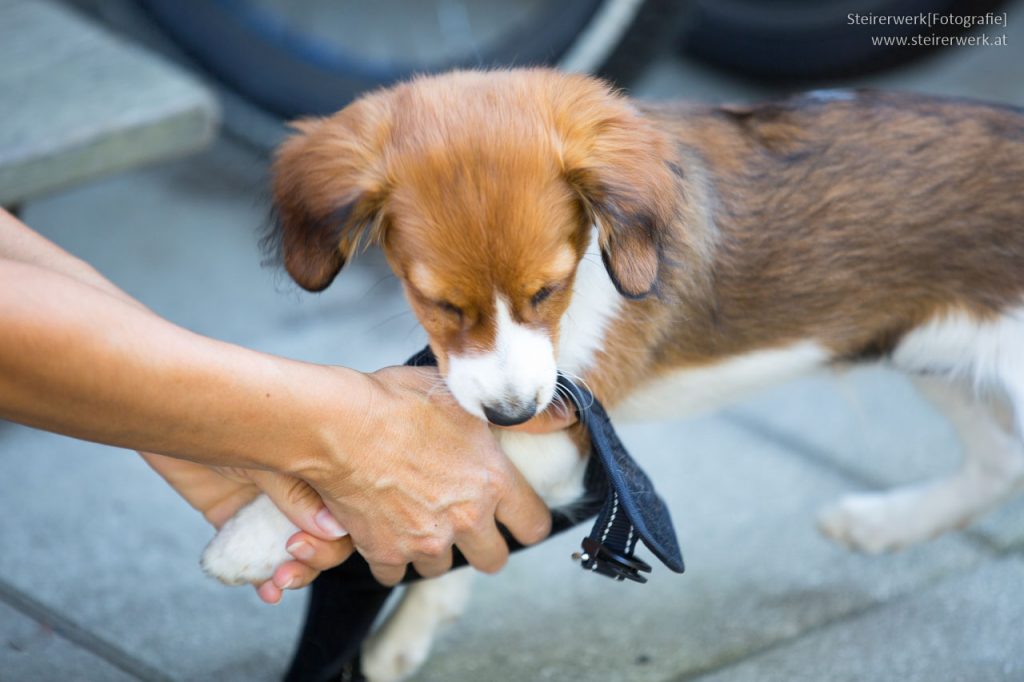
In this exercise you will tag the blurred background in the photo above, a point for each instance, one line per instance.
(136, 134)
(288, 59)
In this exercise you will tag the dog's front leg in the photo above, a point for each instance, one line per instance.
(251, 545)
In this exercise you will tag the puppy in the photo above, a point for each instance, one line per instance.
(674, 257)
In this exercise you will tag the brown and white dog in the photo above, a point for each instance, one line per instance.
(740, 247)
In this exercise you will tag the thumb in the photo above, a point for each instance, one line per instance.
(300, 503)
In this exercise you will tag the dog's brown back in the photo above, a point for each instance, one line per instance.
(846, 217)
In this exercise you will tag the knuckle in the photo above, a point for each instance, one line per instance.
(499, 480)
(467, 518)
(298, 492)
(432, 546)
(392, 560)
(384, 557)
(303, 581)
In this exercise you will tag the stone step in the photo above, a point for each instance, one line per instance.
(78, 102)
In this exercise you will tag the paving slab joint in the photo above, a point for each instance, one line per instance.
(76, 634)
(802, 449)
(733, 659)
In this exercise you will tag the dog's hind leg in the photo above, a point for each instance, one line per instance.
(993, 467)
(402, 643)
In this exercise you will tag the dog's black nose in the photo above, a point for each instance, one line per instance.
(509, 415)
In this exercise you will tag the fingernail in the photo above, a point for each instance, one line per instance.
(329, 524)
(302, 551)
(286, 584)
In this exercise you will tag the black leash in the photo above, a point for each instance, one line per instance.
(345, 600)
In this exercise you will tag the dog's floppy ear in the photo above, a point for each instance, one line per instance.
(329, 188)
(622, 168)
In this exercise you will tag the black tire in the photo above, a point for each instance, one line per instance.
(654, 29)
(810, 39)
(289, 75)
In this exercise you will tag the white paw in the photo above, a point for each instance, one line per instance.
(250, 546)
(870, 523)
(395, 655)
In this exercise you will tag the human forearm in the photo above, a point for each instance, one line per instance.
(80, 362)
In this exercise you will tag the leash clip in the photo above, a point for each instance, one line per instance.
(606, 561)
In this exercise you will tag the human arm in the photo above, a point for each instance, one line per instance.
(405, 471)
(217, 493)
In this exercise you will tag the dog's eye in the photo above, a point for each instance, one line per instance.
(450, 308)
(541, 295)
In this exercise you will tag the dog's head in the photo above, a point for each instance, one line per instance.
(482, 188)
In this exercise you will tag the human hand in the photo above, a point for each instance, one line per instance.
(219, 492)
(425, 476)
(556, 417)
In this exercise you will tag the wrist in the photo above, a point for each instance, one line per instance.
(331, 408)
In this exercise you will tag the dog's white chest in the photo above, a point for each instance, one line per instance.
(551, 462)
(594, 304)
